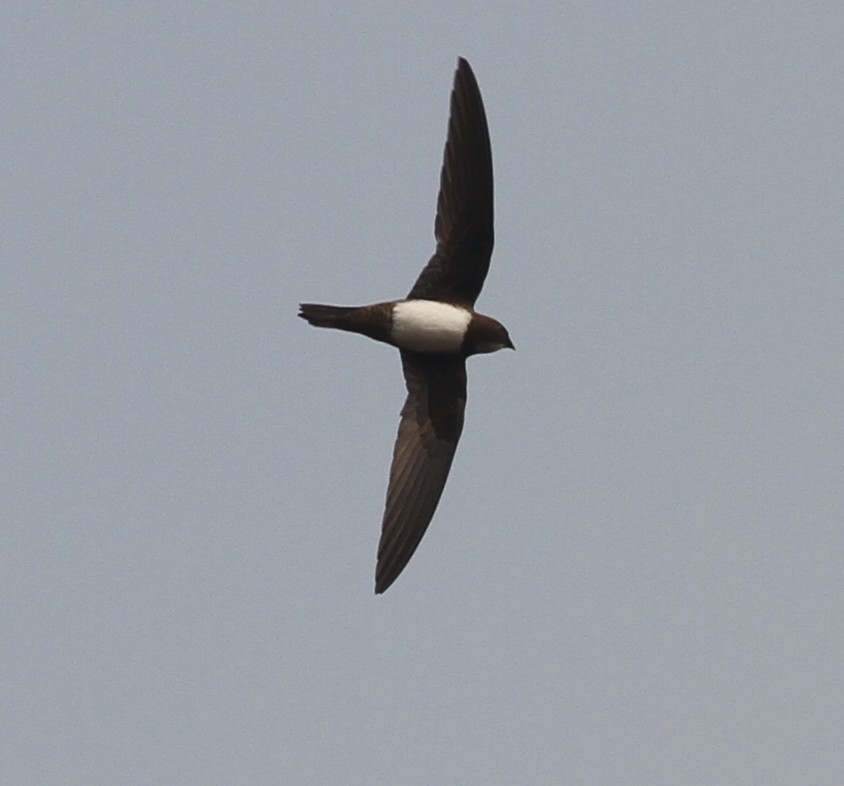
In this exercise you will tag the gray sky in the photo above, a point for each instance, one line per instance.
(634, 575)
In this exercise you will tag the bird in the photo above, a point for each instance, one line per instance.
(435, 329)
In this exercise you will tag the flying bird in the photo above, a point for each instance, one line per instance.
(435, 328)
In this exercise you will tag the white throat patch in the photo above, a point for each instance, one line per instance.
(429, 326)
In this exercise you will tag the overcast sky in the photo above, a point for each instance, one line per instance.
(635, 572)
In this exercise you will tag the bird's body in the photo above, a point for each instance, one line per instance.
(435, 328)
(429, 327)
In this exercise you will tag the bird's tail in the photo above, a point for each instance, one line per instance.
(369, 320)
(341, 317)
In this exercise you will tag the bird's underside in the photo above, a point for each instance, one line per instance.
(434, 339)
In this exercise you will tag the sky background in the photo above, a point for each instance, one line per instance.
(635, 572)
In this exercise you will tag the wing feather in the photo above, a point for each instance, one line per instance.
(429, 429)
(464, 224)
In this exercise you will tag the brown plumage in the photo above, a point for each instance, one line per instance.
(437, 316)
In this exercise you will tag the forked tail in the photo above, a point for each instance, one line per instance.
(372, 321)
(341, 317)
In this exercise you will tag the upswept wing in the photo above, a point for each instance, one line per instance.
(464, 223)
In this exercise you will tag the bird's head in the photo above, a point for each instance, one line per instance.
(485, 334)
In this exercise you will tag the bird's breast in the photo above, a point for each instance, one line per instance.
(429, 326)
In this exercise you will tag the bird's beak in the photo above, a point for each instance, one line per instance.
(510, 344)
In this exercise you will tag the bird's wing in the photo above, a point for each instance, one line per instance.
(430, 426)
(464, 223)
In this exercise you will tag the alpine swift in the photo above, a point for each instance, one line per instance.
(435, 328)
